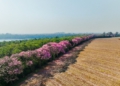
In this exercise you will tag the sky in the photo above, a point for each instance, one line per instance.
(50, 16)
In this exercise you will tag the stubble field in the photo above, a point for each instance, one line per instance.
(97, 65)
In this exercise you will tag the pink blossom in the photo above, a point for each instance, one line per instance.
(29, 63)
(26, 54)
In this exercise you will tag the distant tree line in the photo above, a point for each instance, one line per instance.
(111, 34)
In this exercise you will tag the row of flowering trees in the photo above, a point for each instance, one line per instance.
(20, 64)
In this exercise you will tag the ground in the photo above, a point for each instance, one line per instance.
(97, 65)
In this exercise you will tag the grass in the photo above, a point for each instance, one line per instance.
(97, 65)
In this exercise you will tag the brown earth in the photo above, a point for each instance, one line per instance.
(97, 65)
(57, 66)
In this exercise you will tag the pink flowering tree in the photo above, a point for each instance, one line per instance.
(10, 68)
(77, 40)
(66, 44)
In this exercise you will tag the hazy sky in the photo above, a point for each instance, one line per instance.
(49, 16)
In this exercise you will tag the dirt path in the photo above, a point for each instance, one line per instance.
(59, 65)
(97, 65)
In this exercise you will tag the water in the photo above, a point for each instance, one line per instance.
(1, 40)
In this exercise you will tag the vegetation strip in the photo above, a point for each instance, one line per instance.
(13, 47)
(18, 65)
(58, 65)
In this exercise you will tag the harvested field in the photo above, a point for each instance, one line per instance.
(97, 65)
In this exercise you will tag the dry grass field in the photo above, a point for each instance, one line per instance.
(97, 65)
